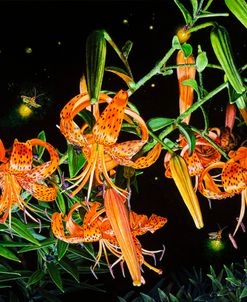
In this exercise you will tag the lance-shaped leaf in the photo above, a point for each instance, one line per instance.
(158, 123)
(35, 277)
(239, 9)
(189, 136)
(184, 11)
(76, 160)
(8, 254)
(62, 247)
(180, 174)
(95, 63)
(55, 275)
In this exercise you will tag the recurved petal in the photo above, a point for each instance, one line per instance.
(39, 191)
(43, 171)
(140, 224)
(21, 157)
(108, 126)
(58, 229)
(149, 159)
(234, 177)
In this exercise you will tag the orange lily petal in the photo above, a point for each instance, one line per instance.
(186, 93)
(107, 127)
(234, 177)
(149, 159)
(140, 224)
(21, 157)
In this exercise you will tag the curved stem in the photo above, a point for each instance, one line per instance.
(161, 142)
(202, 101)
(152, 72)
(204, 25)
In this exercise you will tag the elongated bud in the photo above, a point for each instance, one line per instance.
(118, 216)
(180, 174)
(220, 41)
(186, 93)
(183, 34)
(239, 9)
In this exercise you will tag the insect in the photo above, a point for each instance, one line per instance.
(31, 101)
(216, 235)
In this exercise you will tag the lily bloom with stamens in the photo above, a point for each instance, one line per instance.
(186, 93)
(230, 181)
(18, 172)
(181, 177)
(99, 143)
(96, 227)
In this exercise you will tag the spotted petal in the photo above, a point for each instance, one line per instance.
(21, 157)
(107, 127)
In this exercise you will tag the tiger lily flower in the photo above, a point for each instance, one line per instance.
(186, 93)
(203, 155)
(232, 179)
(181, 177)
(96, 227)
(99, 144)
(18, 172)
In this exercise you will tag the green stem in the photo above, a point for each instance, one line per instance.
(204, 25)
(207, 138)
(153, 72)
(215, 66)
(197, 104)
(160, 141)
(213, 15)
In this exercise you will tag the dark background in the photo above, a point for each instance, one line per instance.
(57, 31)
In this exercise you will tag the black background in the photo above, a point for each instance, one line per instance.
(56, 69)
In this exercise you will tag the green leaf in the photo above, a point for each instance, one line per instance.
(189, 136)
(43, 244)
(194, 6)
(243, 293)
(61, 249)
(95, 63)
(60, 202)
(87, 117)
(162, 295)
(35, 277)
(76, 161)
(192, 83)
(39, 150)
(187, 49)
(201, 61)
(22, 230)
(146, 298)
(55, 275)
(6, 253)
(70, 268)
(187, 16)
(175, 43)
(158, 123)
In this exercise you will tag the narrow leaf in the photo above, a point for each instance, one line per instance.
(158, 123)
(187, 16)
(61, 249)
(187, 49)
(39, 150)
(189, 136)
(35, 277)
(6, 253)
(76, 160)
(22, 230)
(70, 268)
(192, 83)
(60, 202)
(55, 275)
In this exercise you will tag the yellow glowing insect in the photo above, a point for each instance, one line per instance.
(216, 235)
(31, 101)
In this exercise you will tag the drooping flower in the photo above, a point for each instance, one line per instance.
(97, 227)
(18, 173)
(99, 143)
(230, 181)
(186, 93)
